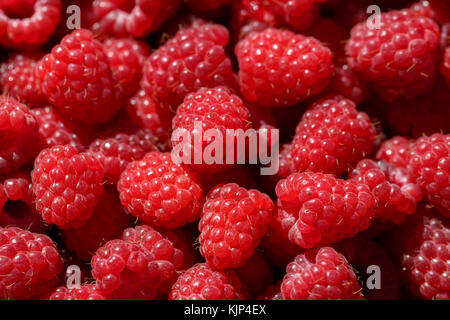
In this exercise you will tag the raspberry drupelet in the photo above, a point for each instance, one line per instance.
(201, 282)
(160, 192)
(395, 151)
(279, 68)
(192, 59)
(318, 209)
(84, 292)
(67, 185)
(232, 224)
(320, 274)
(76, 78)
(332, 137)
(211, 111)
(30, 264)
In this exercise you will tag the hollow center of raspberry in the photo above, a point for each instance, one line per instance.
(16, 209)
(19, 10)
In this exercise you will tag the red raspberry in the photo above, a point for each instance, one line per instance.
(422, 248)
(29, 23)
(76, 78)
(398, 56)
(56, 130)
(395, 151)
(67, 185)
(393, 200)
(17, 204)
(279, 68)
(84, 292)
(18, 79)
(332, 137)
(116, 152)
(124, 18)
(438, 10)
(445, 67)
(160, 192)
(138, 266)
(201, 282)
(30, 264)
(214, 110)
(320, 274)
(362, 253)
(106, 223)
(349, 84)
(429, 163)
(193, 58)
(319, 209)
(126, 58)
(256, 274)
(233, 222)
(18, 134)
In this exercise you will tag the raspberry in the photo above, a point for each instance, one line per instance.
(256, 274)
(438, 10)
(279, 68)
(193, 58)
(393, 200)
(18, 134)
(429, 163)
(398, 57)
(445, 67)
(233, 222)
(17, 204)
(76, 78)
(124, 18)
(106, 223)
(136, 267)
(215, 110)
(348, 83)
(160, 192)
(126, 58)
(332, 137)
(201, 282)
(18, 79)
(362, 253)
(25, 24)
(30, 264)
(320, 274)
(395, 151)
(84, 292)
(67, 185)
(116, 152)
(319, 209)
(423, 246)
(55, 130)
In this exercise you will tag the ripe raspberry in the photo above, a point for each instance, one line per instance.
(55, 130)
(422, 247)
(332, 137)
(84, 292)
(106, 223)
(279, 68)
(445, 67)
(362, 253)
(438, 10)
(256, 274)
(136, 267)
(17, 204)
(233, 222)
(348, 83)
(124, 18)
(18, 79)
(18, 134)
(160, 192)
(30, 264)
(126, 58)
(193, 58)
(25, 24)
(116, 152)
(76, 78)
(201, 282)
(319, 209)
(209, 110)
(429, 163)
(67, 185)
(395, 151)
(320, 274)
(398, 57)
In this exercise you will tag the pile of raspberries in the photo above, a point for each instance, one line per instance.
(358, 209)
